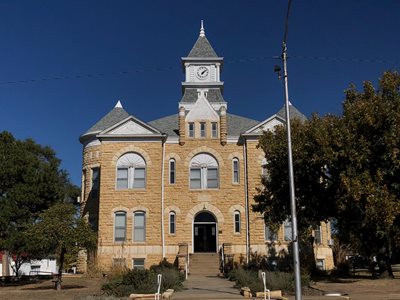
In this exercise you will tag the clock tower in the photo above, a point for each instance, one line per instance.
(202, 69)
(202, 109)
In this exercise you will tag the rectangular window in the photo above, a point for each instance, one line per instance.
(191, 129)
(202, 129)
(269, 234)
(122, 178)
(320, 264)
(139, 226)
(287, 230)
(95, 179)
(119, 262)
(138, 263)
(120, 227)
(317, 235)
(139, 178)
(214, 130)
(235, 167)
(172, 171)
(237, 222)
(35, 270)
(172, 223)
(212, 178)
(195, 178)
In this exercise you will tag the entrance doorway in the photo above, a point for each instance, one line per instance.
(205, 232)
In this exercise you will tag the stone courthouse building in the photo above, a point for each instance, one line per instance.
(182, 183)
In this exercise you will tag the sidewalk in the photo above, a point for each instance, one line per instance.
(207, 288)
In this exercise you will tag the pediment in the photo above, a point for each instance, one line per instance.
(268, 124)
(130, 126)
(202, 110)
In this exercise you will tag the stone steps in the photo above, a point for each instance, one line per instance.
(206, 264)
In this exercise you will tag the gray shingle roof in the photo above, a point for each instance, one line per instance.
(168, 125)
(236, 124)
(213, 95)
(202, 48)
(117, 114)
(294, 113)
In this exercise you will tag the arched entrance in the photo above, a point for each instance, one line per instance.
(205, 232)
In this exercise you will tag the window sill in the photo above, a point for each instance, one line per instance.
(203, 190)
(131, 190)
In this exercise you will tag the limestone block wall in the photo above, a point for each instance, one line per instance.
(178, 198)
(221, 202)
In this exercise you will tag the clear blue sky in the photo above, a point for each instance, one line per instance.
(130, 50)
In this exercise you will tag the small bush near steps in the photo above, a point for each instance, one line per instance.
(274, 280)
(144, 281)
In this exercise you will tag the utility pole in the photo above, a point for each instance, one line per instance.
(295, 239)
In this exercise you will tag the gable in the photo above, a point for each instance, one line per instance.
(202, 110)
(268, 124)
(130, 126)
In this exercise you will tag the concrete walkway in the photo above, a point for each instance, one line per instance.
(208, 288)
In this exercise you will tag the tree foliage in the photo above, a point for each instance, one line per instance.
(59, 231)
(346, 167)
(30, 182)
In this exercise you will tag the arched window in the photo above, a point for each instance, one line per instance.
(172, 171)
(204, 172)
(131, 171)
(172, 222)
(235, 170)
(236, 219)
(139, 226)
(120, 226)
(264, 169)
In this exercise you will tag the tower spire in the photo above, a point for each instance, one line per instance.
(202, 32)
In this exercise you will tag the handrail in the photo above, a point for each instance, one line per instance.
(157, 295)
(223, 259)
(265, 287)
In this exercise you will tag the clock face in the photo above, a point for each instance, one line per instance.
(202, 72)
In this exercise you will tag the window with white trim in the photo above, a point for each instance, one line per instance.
(172, 222)
(172, 171)
(131, 171)
(236, 217)
(120, 226)
(270, 235)
(317, 235)
(191, 130)
(119, 262)
(95, 185)
(320, 264)
(138, 263)
(202, 129)
(287, 230)
(235, 170)
(264, 169)
(214, 130)
(139, 226)
(204, 172)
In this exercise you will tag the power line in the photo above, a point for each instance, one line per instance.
(169, 68)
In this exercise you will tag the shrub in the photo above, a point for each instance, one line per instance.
(274, 280)
(144, 281)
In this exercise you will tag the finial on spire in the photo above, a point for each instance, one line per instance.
(202, 32)
(118, 105)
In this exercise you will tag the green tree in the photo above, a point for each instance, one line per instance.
(30, 182)
(345, 168)
(60, 231)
